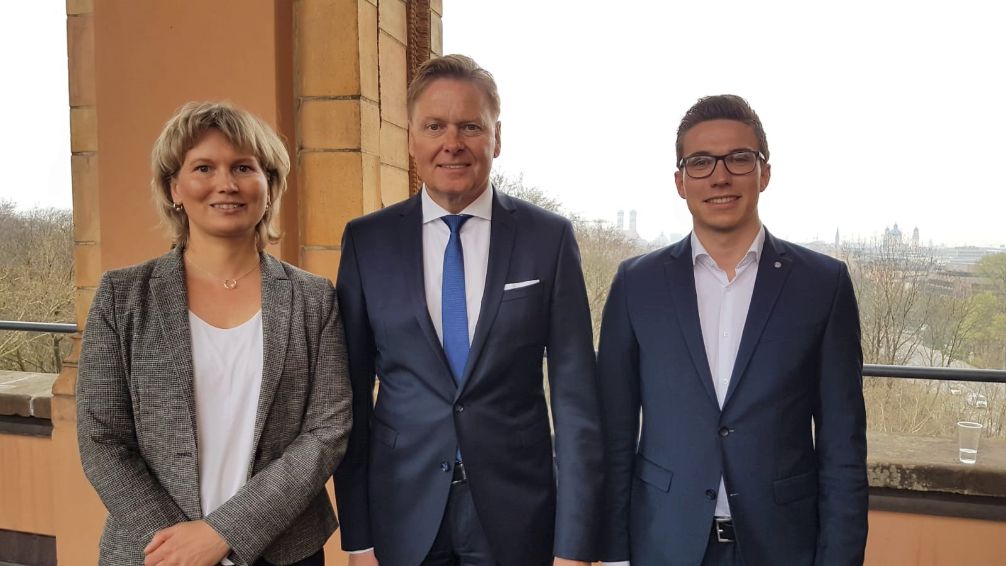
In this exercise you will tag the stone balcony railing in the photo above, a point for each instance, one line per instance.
(26, 402)
(910, 476)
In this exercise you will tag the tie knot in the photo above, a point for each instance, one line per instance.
(455, 221)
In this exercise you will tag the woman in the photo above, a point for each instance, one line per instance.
(212, 397)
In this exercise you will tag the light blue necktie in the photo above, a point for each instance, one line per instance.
(454, 307)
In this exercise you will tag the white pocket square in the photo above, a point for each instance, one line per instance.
(509, 286)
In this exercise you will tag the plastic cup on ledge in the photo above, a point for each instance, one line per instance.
(968, 434)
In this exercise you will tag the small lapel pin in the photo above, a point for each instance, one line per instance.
(778, 264)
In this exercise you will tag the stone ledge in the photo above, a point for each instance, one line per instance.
(25, 394)
(918, 463)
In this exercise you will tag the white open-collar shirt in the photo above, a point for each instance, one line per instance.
(723, 309)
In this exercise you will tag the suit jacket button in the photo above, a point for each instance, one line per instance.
(459, 408)
(445, 467)
(724, 431)
(710, 494)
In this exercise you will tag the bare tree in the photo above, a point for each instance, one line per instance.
(36, 284)
(602, 246)
(890, 281)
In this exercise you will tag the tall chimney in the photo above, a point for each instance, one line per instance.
(632, 221)
(621, 219)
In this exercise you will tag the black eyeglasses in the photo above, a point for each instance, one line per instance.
(736, 162)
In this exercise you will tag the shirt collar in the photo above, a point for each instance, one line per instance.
(756, 247)
(481, 207)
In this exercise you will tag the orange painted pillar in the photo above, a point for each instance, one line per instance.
(329, 75)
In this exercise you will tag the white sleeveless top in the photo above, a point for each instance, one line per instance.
(227, 372)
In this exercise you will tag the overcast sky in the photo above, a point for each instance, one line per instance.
(34, 105)
(876, 112)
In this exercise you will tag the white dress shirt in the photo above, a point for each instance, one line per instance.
(475, 245)
(227, 380)
(723, 310)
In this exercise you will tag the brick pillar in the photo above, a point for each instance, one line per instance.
(78, 514)
(329, 75)
(351, 73)
(131, 64)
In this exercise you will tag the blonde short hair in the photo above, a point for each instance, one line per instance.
(245, 131)
(460, 67)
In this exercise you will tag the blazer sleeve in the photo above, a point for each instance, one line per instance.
(109, 450)
(840, 435)
(572, 376)
(351, 477)
(618, 370)
(275, 496)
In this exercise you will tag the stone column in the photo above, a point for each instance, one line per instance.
(329, 75)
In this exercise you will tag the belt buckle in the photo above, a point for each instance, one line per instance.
(459, 470)
(721, 526)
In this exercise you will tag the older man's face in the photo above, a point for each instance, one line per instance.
(454, 137)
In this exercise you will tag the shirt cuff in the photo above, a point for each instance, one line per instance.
(371, 549)
(623, 563)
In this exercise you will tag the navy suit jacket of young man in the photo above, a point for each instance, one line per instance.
(393, 485)
(797, 492)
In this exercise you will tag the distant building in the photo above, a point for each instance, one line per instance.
(947, 270)
(632, 233)
(629, 232)
(892, 235)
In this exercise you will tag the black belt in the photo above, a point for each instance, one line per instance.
(459, 473)
(723, 530)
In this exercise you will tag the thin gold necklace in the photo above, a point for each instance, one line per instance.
(228, 283)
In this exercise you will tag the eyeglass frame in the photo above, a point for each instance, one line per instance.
(717, 158)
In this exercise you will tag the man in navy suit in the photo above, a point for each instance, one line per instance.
(451, 299)
(741, 354)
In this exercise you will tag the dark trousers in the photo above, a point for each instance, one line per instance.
(316, 559)
(460, 540)
(721, 553)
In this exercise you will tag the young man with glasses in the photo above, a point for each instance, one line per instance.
(731, 378)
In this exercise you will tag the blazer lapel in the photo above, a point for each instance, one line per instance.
(410, 233)
(171, 310)
(171, 307)
(679, 271)
(277, 296)
(773, 268)
(501, 241)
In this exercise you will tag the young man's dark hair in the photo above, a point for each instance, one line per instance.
(720, 107)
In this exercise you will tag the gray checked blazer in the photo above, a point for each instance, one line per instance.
(136, 421)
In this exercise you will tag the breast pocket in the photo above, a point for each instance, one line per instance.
(533, 290)
(522, 317)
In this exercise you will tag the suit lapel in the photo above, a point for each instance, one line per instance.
(277, 296)
(501, 241)
(410, 236)
(679, 271)
(171, 307)
(773, 268)
(171, 310)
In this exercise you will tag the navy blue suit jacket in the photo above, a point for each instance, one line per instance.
(790, 441)
(393, 484)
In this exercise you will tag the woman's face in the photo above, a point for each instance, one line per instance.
(223, 189)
